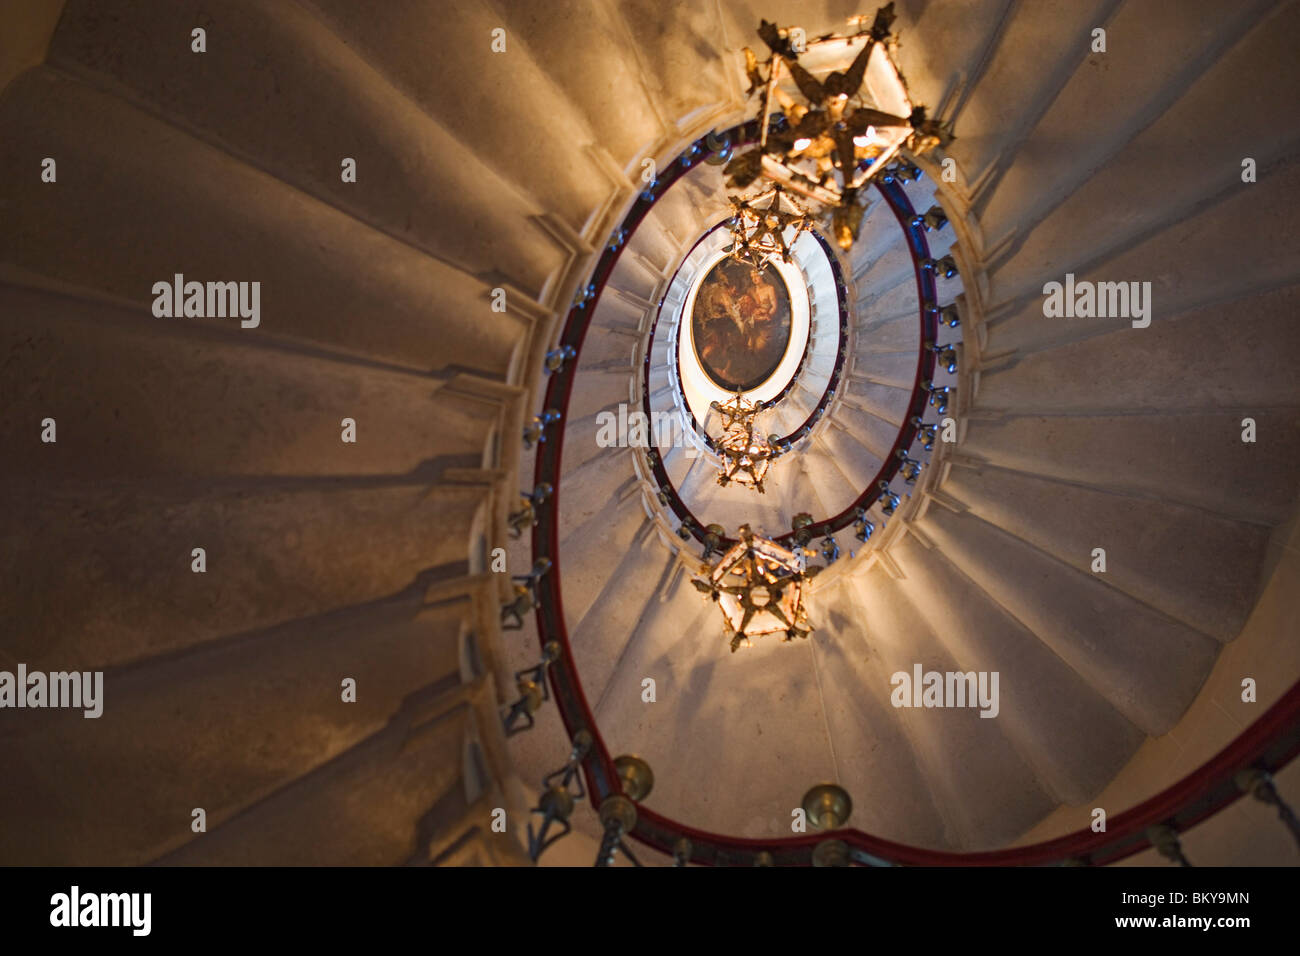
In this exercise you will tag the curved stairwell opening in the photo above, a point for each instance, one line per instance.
(501, 268)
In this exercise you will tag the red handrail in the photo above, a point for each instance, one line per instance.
(1268, 744)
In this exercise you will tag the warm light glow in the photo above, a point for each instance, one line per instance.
(746, 453)
(759, 587)
(841, 83)
(763, 234)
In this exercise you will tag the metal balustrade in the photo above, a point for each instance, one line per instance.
(923, 391)
(616, 788)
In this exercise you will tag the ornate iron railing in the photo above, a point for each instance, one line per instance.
(1267, 745)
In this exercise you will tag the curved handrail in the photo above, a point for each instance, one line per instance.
(1268, 744)
(928, 311)
(841, 351)
(570, 700)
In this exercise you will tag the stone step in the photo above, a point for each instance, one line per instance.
(1189, 564)
(133, 396)
(1196, 458)
(515, 118)
(232, 723)
(139, 201)
(1146, 665)
(102, 575)
(986, 791)
(414, 180)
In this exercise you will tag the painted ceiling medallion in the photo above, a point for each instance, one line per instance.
(759, 586)
(741, 325)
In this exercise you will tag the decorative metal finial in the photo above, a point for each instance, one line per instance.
(827, 806)
(618, 817)
(635, 775)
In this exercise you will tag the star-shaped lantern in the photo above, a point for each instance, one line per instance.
(759, 586)
(827, 138)
(746, 452)
(760, 233)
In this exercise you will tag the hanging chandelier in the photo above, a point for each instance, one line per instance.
(827, 138)
(759, 587)
(746, 452)
(761, 233)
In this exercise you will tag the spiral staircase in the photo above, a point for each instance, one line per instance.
(517, 175)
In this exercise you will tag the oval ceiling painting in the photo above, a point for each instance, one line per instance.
(740, 325)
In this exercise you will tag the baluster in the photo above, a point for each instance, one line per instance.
(1165, 839)
(618, 811)
(926, 433)
(713, 540)
(945, 357)
(556, 358)
(525, 596)
(801, 524)
(827, 807)
(618, 816)
(557, 799)
(526, 516)
(831, 853)
(889, 499)
(584, 295)
(1259, 784)
(535, 430)
(863, 528)
(531, 684)
(682, 852)
(932, 219)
